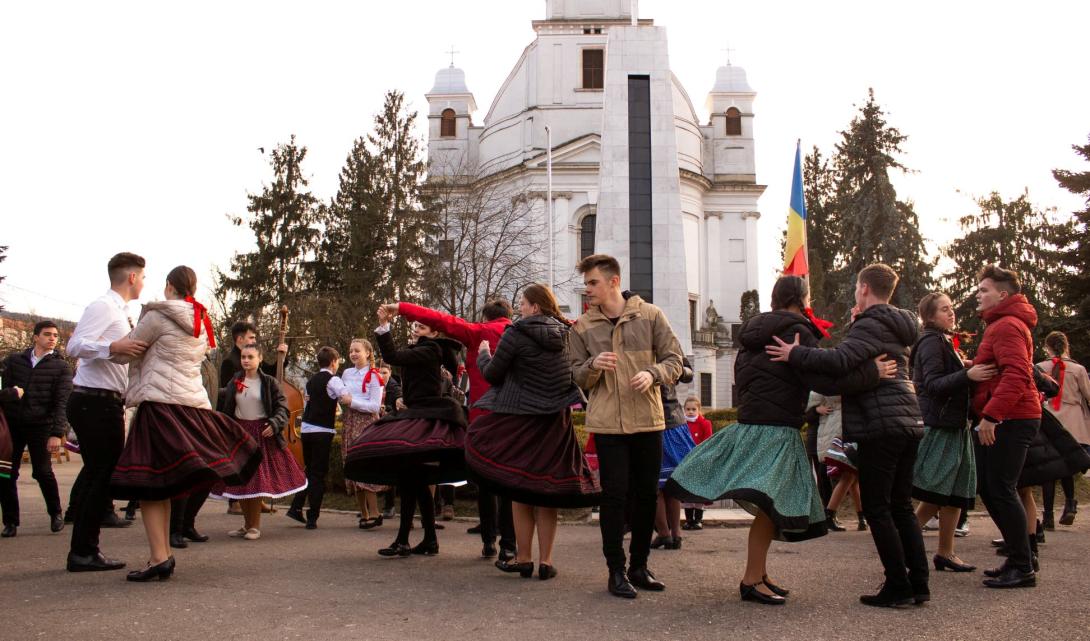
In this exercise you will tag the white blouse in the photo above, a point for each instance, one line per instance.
(363, 400)
(248, 405)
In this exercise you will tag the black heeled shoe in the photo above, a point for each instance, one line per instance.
(525, 570)
(661, 542)
(751, 593)
(943, 563)
(161, 571)
(426, 548)
(777, 590)
(545, 572)
(178, 541)
(192, 534)
(396, 550)
(368, 524)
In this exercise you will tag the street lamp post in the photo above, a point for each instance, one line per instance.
(549, 199)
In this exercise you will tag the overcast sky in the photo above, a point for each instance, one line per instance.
(134, 126)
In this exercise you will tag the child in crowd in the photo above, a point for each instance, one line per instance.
(700, 429)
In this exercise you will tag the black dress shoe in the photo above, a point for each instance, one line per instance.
(93, 563)
(161, 571)
(370, 524)
(921, 595)
(525, 570)
(56, 523)
(489, 550)
(476, 529)
(68, 517)
(676, 544)
(113, 521)
(426, 548)
(888, 598)
(1012, 577)
(295, 515)
(998, 543)
(546, 572)
(396, 549)
(662, 542)
(775, 589)
(311, 526)
(943, 563)
(9, 531)
(192, 534)
(177, 540)
(506, 554)
(645, 579)
(751, 593)
(620, 586)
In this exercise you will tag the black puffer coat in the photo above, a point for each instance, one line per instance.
(422, 381)
(46, 389)
(891, 408)
(530, 373)
(671, 408)
(942, 382)
(773, 393)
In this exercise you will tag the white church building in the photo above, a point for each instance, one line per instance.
(636, 173)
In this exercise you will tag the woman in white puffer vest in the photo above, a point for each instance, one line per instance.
(176, 443)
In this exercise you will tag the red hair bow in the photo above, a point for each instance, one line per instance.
(367, 378)
(820, 323)
(201, 314)
(1058, 362)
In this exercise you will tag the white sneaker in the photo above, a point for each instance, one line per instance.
(931, 525)
(252, 534)
(238, 534)
(962, 532)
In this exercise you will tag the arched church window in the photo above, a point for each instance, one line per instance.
(734, 122)
(586, 236)
(448, 127)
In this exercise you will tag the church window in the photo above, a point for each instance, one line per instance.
(586, 236)
(734, 122)
(593, 68)
(705, 389)
(448, 127)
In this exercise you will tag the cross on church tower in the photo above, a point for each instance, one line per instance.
(728, 51)
(452, 52)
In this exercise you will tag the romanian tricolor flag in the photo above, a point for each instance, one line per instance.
(794, 255)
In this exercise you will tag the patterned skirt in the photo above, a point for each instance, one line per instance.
(945, 472)
(762, 468)
(5, 448)
(532, 459)
(278, 475)
(677, 442)
(355, 422)
(173, 450)
(431, 450)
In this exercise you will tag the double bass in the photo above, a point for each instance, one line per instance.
(292, 394)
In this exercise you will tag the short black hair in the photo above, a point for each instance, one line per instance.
(241, 327)
(496, 309)
(604, 263)
(326, 356)
(121, 264)
(1005, 279)
(46, 324)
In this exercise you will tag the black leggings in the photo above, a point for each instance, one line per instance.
(1048, 493)
(414, 493)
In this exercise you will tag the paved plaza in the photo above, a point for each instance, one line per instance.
(330, 584)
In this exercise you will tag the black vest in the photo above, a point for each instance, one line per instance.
(320, 410)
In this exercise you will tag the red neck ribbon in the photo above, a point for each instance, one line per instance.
(1058, 363)
(367, 378)
(201, 314)
(239, 385)
(820, 323)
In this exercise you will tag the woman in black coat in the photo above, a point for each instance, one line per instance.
(525, 448)
(420, 445)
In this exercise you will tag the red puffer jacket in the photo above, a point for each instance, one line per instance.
(1008, 344)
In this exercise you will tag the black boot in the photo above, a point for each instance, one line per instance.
(1071, 508)
(620, 586)
(832, 523)
(889, 598)
(1047, 520)
(1040, 535)
(862, 527)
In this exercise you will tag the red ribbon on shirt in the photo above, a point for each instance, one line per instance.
(367, 378)
(1058, 362)
(820, 323)
(239, 385)
(201, 314)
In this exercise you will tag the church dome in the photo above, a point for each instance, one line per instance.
(731, 79)
(450, 80)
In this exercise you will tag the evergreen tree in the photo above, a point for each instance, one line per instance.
(750, 304)
(1011, 234)
(872, 225)
(1073, 260)
(821, 234)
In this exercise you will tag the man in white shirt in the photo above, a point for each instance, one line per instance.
(96, 408)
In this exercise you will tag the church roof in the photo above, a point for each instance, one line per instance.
(731, 79)
(450, 80)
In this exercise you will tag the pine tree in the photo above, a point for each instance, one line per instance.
(1073, 260)
(872, 224)
(821, 234)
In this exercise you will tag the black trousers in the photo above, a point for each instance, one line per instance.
(316, 448)
(629, 473)
(34, 438)
(415, 494)
(885, 487)
(99, 423)
(825, 486)
(496, 519)
(997, 470)
(183, 511)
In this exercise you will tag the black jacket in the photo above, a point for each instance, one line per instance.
(942, 382)
(393, 392)
(272, 398)
(45, 392)
(672, 410)
(774, 393)
(530, 373)
(422, 381)
(891, 408)
(1054, 454)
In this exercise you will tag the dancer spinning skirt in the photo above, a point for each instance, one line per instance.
(355, 423)
(677, 442)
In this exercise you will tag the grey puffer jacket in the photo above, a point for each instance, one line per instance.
(170, 370)
(530, 371)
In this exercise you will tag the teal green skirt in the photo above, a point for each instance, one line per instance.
(945, 472)
(762, 468)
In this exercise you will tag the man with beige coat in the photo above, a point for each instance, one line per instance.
(623, 349)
